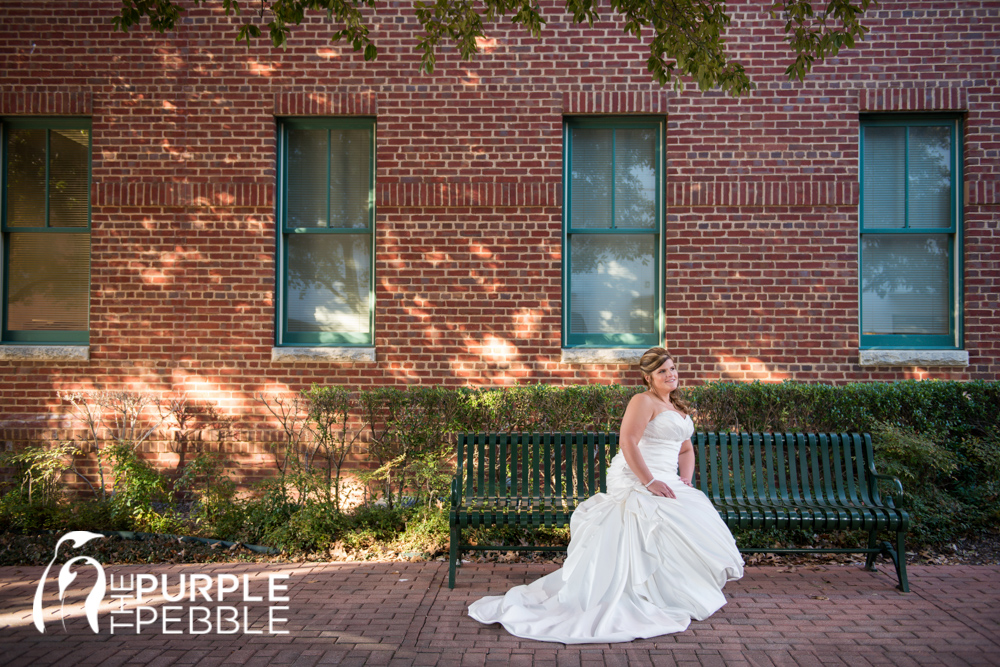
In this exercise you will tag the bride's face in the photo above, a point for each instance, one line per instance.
(664, 379)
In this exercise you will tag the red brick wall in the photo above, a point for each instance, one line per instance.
(762, 195)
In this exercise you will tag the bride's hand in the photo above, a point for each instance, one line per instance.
(661, 489)
(687, 481)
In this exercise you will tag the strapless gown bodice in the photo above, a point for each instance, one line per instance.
(637, 566)
(660, 446)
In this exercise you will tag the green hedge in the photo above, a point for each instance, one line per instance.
(941, 438)
(957, 410)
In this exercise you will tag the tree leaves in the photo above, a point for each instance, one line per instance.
(686, 38)
(816, 36)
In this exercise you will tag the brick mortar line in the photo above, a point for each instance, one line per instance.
(416, 627)
(951, 611)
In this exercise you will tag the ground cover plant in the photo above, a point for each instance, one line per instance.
(942, 439)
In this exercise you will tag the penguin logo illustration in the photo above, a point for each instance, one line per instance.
(66, 577)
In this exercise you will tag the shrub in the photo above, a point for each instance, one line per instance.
(136, 486)
(19, 514)
(35, 500)
(38, 470)
(426, 532)
(330, 414)
(939, 438)
(311, 527)
(115, 421)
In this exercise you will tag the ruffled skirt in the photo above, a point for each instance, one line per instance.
(638, 566)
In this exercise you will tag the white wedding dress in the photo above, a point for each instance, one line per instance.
(638, 565)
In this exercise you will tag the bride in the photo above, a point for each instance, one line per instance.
(644, 558)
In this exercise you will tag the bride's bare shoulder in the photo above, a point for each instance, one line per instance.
(641, 398)
(642, 402)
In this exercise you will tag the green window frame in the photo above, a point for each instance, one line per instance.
(45, 225)
(910, 225)
(613, 232)
(326, 240)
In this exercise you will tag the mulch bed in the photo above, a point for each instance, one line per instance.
(18, 549)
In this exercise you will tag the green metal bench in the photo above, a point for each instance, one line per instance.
(812, 482)
(527, 480)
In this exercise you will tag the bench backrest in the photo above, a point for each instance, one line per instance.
(513, 465)
(807, 468)
(780, 467)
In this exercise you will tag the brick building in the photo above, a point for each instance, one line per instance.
(216, 220)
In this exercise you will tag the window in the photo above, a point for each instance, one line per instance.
(910, 232)
(612, 240)
(327, 213)
(46, 231)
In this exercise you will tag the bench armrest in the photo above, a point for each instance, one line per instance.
(455, 488)
(891, 479)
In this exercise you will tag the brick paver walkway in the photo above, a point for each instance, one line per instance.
(404, 614)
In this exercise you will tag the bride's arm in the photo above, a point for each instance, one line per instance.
(637, 415)
(685, 462)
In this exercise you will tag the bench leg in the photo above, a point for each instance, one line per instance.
(456, 537)
(872, 544)
(898, 557)
(900, 562)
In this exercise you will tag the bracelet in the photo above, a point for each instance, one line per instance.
(649, 482)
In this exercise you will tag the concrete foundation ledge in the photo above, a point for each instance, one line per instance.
(303, 355)
(922, 358)
(44, 353)
(590, 355)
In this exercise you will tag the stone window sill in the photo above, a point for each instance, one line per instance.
(305, 355)
(921, 358)
(591, 355)
(44, 353)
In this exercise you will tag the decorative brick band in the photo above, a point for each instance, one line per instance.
(913, 99)
(157, 194)
(652, 102)
(323, 103)
(983, 192)
(763, 194)
(47, 103)
(467, 195)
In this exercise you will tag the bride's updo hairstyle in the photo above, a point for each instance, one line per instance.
(652, 359)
